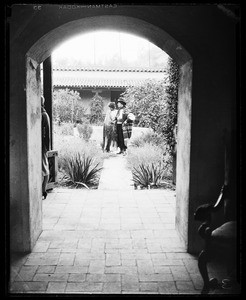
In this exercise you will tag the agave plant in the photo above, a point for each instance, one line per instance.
(80, 170)
(147, 175)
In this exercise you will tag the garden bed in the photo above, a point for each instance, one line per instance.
(79, 161)
(150, 162)
(147, 158)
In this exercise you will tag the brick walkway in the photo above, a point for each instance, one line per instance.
(108, 241)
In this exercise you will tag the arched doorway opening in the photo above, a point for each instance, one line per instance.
(42, 49)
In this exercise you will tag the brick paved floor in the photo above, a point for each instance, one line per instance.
(109, 242)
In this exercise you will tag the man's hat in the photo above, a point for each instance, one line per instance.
(111, 104)
(122, 102)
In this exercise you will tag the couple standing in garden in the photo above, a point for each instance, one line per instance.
(117, 127)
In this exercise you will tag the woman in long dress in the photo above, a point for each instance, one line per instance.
(127, 129)
(120, 118)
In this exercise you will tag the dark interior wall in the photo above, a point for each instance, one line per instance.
(206, 32)
(213, 98)
(115, 95)
(214, 95)
(86, 96)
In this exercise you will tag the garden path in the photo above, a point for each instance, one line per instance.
(115, 175)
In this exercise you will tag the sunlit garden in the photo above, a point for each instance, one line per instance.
(78, 135)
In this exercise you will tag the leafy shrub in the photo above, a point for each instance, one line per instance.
(67, 106)
(148, 137)
(66, 129)
(85, 130)
(80, 170)
(148, 175)
(155, 104)
(147, 102)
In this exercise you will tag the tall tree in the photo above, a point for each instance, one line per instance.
(96, 106)
(66, 105)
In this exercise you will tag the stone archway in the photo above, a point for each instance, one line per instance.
(209, 34)
(42, 49)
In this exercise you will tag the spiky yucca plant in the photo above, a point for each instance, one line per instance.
(80, 170)
(147, 175)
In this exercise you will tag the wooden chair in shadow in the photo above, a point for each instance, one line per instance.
(221, 241)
